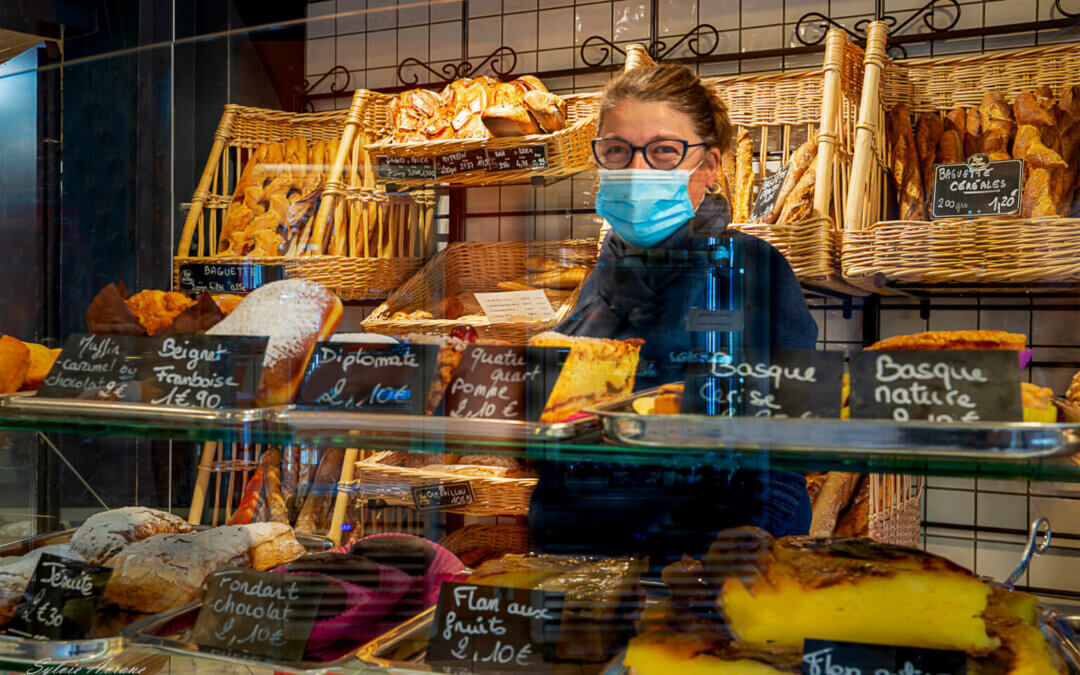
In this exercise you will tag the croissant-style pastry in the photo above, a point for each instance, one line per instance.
(1036, 200)
(1031, 109)
(972, 131)
(1030, 148)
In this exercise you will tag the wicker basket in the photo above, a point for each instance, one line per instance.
(469, 267)
(377, 477)
(498, 539)
(241, 130)
(896, 509)
(782, 108)
(1039, 254)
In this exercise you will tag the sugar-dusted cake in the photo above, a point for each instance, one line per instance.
(596, 369)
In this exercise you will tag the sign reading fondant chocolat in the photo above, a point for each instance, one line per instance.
(259, 613)
(784, 383)
(939, 386)
(494, 629)
(503, 382)
(227, 277)
(366, 377)
(824, 657)
(60, 600)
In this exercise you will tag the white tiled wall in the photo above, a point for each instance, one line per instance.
(547, 35)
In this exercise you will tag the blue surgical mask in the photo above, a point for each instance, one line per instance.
(645, 206)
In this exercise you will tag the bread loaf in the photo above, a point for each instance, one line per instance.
(956, 119)
(1036, 200)
(927, 136)
(972, 132)
(835, 494)
(904, 163)
(950, 150)
(105, 534)
(799, 205)
(744, 177)
(1033, 108)
(275, 499)
(1029, 147)
(996, 120)
(801, 160)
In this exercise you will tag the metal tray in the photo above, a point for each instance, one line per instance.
(315, 422)
(990, 440)
(1063, 631)
(26, 650)
(88, 410)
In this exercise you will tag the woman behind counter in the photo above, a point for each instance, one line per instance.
(660, 137)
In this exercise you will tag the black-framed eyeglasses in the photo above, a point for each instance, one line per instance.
(664, 154)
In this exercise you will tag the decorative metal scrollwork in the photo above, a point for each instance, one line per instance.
(455, 71)
(819, 24)
(702, 40)
(1064, 12)
(305, 88)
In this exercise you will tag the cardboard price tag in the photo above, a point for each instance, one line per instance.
(516, 306)
(977, 187)
(259, 613)
(939, 386)
(227, 277)
(60, 600)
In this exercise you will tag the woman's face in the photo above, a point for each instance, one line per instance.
(638, 122)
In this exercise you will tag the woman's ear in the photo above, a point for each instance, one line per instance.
(704, 177)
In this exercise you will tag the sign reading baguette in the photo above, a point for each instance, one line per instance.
(823, 657)
(977, 187)
(404, 168)
(766, 198)
(369, 378)
(939, 386)
(226, 277)
(503, 382)
(60, 600)
(258, 613)
(462, 161)
(786, 383)
(516, 306)
(524, 158)
(199, 371)
(493, 628)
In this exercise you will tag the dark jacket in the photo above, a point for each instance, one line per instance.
(654, 294)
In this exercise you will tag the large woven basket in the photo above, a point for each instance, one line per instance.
(1038, 254)
(472, 267)
(498, 539)
(896, 509)
(781, 108)
(569, 150)
(243, 129)
(379, 478)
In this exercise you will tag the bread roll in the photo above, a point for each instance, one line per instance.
(547, 109)
(744, 177)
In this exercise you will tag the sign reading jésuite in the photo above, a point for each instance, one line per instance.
(60, 600)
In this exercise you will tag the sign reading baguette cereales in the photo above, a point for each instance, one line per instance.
(977, 187)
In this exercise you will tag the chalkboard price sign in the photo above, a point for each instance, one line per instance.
(766, 199)
(977, 187)
(462, 161)
(939, 386)
(96, 366)
(405, 168)
(372, 378)
(443, 495)
(822, 657)
(60, 600)
(524, 158)
(785, 383)
(259, 613)
(227, 277)
(503, 382)
(494, 629)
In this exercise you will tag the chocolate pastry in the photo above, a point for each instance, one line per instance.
(108, 314)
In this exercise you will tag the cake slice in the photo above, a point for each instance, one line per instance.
(853, 590)
(596, 369)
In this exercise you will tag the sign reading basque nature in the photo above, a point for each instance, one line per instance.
(939, 386)
(784, 383)
(369, 377)
(200, 371)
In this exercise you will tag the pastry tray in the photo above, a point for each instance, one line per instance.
(86, 410)
(1063, 631)
(1018, 441)
(315, 422)
(26, 650)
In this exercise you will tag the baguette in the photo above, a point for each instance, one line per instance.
(855, 519)
(905, 165)
(727, 167)
(927, 136)
(956, 119)
(1033, 108)
(801, 160)
(314, 517)
(744, 177)
(245, 511)
(972, 132)
(516, 286)
(1036, 200)
(835, 494)
(997, 122)
(1029, 147)
(565, 278)
(950, 150)
(289, 466)
(271, 468)
(800, 203)
(535, 264)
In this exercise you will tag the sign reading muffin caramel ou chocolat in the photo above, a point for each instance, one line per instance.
(784, 383)
(938, 385)
(380, 378)
(96, 366)
(503, 382)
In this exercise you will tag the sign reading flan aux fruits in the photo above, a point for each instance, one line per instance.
(369, 377)
(503, 382)
(481, 628)
(939, 386)
(199, 371)
(783, 383)
(825, 657)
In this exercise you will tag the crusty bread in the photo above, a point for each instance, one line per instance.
(954, 339)
(105, 534)
(743, 193)
(835, 494)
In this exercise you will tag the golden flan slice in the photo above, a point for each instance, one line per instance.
(596, 369)
(854, 590)
(1005, 603)
(1024, 651)
(664, 651)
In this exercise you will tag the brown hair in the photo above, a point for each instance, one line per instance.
(680, 88)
